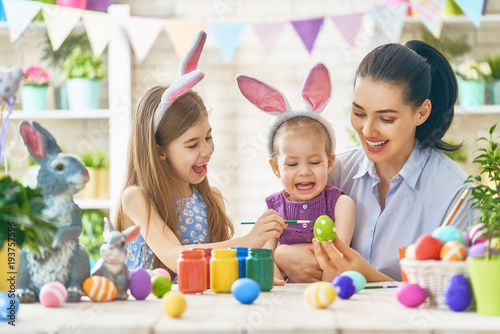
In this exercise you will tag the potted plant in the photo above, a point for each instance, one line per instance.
(34, 89)
(494, 62)
(485, 271)
(98, 166)
(21, 224)
(83, 72)
(472, 87)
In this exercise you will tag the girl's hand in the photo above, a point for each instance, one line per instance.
(298, 263)
(269, 225)
(278, 281)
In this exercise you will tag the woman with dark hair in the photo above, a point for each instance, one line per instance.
(401, 182)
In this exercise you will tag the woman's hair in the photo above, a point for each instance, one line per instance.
(423, 73)
(146, 171)
(300, 125)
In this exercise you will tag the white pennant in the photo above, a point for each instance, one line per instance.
(60, 21)
(19, 14)
(99, 27)
(142, 33)
(181, 34)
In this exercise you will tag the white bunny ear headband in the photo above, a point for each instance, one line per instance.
(189, 77)
(316, 92)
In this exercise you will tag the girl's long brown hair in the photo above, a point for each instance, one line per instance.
(156, 180)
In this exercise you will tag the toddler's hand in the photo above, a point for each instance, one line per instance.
(269, 225)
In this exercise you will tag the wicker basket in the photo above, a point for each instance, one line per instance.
(432, 276)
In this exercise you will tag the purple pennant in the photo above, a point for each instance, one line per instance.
(308, 31)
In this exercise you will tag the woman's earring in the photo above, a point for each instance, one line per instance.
(163, 161)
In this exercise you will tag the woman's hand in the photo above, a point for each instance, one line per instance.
(336, 258)
(269, 225)
(298, 263)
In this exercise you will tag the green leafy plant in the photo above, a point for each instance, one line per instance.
(450, 48)
(92, 228)
(56, 58)
(486, 193)
(494, 62)
(82, 64)
(21, 208)
(98, 159)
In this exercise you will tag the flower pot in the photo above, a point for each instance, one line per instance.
(495, 92)
(91, 188)
(83, 94)
(8, 265)
(102, 191)
(82, 4)
(34, 98)
(471, 93)
(60, 97)
(99, 5)
(452, 9)
(485, 275)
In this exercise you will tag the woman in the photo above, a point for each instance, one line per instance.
(401, 182)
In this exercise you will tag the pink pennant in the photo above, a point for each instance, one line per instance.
(269, 34)
(308, 31)
(349, 26)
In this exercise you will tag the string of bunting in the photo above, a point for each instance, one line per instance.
(143, 31)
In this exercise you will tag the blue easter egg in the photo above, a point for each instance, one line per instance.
(245, 290)
(447, 233)
(358, 278)
(344, 285)
(9, 305)
(458, 293)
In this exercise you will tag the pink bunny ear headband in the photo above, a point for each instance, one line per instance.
(316, 92)
(189, 77)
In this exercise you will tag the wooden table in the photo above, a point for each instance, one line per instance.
(284, 309)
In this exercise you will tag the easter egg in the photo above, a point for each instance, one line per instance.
(324, 229)
(53, 294)
(174, 303)
(466, 236)
(358, 278)
(453, 250)
(427, 248)
(320, 294)
(477, 234)
(140, 284)
(478, 250)
(245, 290)
(344, 286)
(99, 288)
(458, 293)
(160, 285)
(447, 233)
(410, 252)
(411, 295)
(161, 271)
(9, 305)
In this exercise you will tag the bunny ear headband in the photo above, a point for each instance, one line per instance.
(316, 92)
(189, 77)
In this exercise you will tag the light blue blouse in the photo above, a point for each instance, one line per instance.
(419, 199)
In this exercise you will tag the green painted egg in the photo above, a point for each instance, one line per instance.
(324, 229)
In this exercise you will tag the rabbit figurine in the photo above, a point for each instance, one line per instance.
(113, 255)
(60, 176)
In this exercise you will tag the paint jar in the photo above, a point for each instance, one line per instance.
(223, 269)
(192, 271)
(241, 255)
(207, 256)
(260, 267)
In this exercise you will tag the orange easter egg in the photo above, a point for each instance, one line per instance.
(99, 289)
(453, 250)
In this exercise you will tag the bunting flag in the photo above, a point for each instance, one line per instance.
(391, 20)
(99, 27)
(142, 33)
(473, 9)
(430, 11)
(308, 31)
(182, 33)
(19, 14)
(399, 2)
(268, 34)
(349, 26)
(227, 36)
(60, 21)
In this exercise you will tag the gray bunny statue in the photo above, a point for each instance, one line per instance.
(113, 256)
(60, 176)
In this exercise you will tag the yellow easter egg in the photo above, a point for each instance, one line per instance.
(99, 289)
(173, 303)
(320, 294)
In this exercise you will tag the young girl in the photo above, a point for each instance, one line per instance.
(166, 191)
(301, 146)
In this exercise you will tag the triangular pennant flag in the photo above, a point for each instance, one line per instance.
(60, 21)
(269, 34)
(473, 9)
(143, 32)
(19, 14)
(99, 27)
(227, 36)
(349, 26)
(430, 11)
(181, 34)
(390, 19)
(308, 31)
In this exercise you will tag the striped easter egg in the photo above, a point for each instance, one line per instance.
(320, 294)
(53, 294)
(99, 289)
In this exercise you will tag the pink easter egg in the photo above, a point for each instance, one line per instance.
(477, 234)
(140, 284)
(161, 271)
(411, 295)
(466, 236)
(53, 294)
